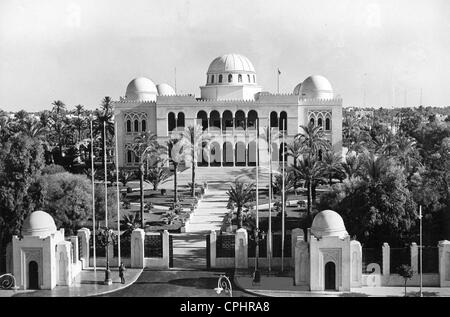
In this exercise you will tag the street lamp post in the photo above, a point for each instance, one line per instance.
(224, 284)
(420, 249)
(106, 237)
(258, 235)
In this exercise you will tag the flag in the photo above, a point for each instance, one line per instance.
(279, 73)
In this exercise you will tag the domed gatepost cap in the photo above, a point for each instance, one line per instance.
(40, 224)
(328, 223)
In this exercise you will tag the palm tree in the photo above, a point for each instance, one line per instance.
(407, 153)
(352, 165)
(294, 150)
(177, 153)
(145, 145)
(129, 223)
(289, 182)
(194, 137)
(313, 140)
(34, 129)
(311, 171)
(157, 174)
(373, 165)
(239, 195)
(57, 123)
(79, 122)
(332, 165)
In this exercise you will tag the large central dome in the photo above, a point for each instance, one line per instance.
(230, 63)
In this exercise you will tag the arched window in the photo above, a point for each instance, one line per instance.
(273, 119)
(251, 119)
(180, 120)
(220, 78)
(240, 78)
(202, 119)
(230, 78)
(240, 120)
(136, 158)
(171, 121)
(227, 120)
(136, 125)
(144, 125)
(214, 119)
(312, 121)
(327, 124)
(212, 79)
(254, 78)
(283, 121)
(319, 122)
(129, 156)
(248, 76)
(128, 125)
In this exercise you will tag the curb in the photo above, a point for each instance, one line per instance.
(235, 281)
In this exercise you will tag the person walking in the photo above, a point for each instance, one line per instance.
(121, 270)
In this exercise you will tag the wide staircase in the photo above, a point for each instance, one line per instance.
(189, 249)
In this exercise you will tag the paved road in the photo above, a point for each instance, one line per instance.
(187, 283)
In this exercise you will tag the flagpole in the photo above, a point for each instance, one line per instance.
(269, 234)
(118, 192)
(420, 249)
(283, 201)
(106, 176)
(257, 193)
(93, 197)
(278, 81)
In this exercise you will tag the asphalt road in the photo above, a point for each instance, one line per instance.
(180, 283)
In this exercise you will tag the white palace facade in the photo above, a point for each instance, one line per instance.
(231, 103)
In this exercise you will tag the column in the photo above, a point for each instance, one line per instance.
(212, 248)
(386, 259)
(241, 249)
(296, 233)
(444, 263)
(414, 258)
(137, 248)
(84, 235)
(166, 248)
(74, 241)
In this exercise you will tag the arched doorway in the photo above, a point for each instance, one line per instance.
(33, 275)
(228, 154)
(240, 159)
(251, 154)
(330, 276)
(215, 153)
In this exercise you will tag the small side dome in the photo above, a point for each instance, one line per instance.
(328, 223)
(316, 86)
(39, 223)
(165, 90)
(297, 89)
(141, 89)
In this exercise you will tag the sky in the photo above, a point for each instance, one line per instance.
(374, 53)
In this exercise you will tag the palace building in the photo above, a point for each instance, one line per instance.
(230, 106)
